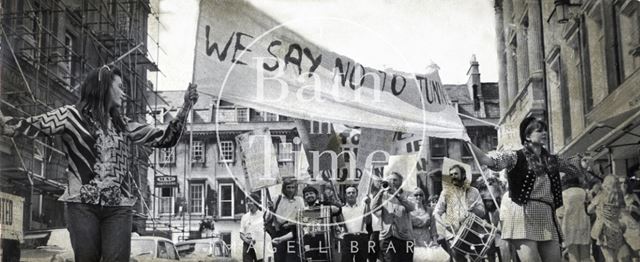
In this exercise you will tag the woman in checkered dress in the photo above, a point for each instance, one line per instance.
(530, 224)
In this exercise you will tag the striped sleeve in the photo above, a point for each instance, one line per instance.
(50, 123)
(156, 137)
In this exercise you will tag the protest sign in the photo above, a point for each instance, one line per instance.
(258, 158)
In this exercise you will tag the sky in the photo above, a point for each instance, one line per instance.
(406, 35)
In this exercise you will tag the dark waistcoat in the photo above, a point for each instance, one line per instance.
(521, 180)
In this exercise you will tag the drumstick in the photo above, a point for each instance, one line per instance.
(445, 225)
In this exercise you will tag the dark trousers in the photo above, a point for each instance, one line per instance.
(374, 241)
(287, 251)
(99, 233)
(396, 250)
(354, 247)
(248, 254)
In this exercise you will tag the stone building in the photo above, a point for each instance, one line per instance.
(209, 188)
(574, 63)
(47, 48)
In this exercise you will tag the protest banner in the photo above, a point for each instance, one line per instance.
(247, 58)
(258, 158)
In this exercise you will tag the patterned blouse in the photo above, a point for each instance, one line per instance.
(98, 161)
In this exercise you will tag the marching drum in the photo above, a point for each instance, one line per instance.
(474, 237)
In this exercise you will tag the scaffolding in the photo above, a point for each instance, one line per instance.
(48, 47)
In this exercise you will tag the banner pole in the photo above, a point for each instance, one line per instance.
(263, 193)
(484, 178)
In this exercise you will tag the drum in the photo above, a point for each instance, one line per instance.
(474, 237)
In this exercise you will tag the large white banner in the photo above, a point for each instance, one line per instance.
(247, 58)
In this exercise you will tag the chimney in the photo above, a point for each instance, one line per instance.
(475, 87)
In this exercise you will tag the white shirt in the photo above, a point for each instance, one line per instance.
(353, 217)
(252, 224)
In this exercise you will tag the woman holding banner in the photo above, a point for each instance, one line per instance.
(100, 192)
(533, 175)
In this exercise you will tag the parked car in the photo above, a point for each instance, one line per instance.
(149, 248)
(204, 250)
(47, 245)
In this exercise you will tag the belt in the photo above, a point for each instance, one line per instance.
(555, 223)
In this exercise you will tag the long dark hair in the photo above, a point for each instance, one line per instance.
(95, 98)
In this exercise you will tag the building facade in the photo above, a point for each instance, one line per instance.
(575, 64)
(47, 48)
(210, 187)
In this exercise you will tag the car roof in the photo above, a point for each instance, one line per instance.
(151, 238)
(201, 240)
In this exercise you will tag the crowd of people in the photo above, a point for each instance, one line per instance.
(548, 209)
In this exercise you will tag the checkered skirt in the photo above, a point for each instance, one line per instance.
(534, 220)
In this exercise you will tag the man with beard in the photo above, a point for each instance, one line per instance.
(315, 222)
(454, 205)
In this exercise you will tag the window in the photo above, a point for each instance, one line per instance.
(38, 150)
(165, 202)
(523, 53)
(269, 117)
(586, 69)
(465, 150)
(628, 33)
(226, 198)
(36, 19)
(595, 44)
(68, 51)
(167, 155)
(242, 114)
(316, 127)
(226, 151)
(285, 152)
(438, 147)
(197, 152)
(559, 86)
(226, 115)
(513, 70)
(196, 198)
(39, 155)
